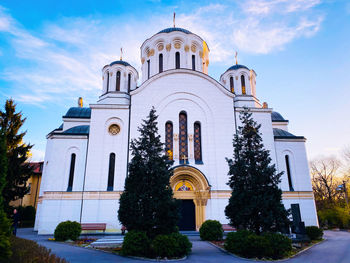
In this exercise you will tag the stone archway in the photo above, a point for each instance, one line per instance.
(196, 187)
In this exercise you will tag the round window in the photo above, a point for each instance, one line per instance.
(114, 129)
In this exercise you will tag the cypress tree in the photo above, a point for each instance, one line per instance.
(19, 170)
(147, 203)
(256, 199)
(5, 250)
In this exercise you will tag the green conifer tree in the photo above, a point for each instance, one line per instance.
(19, 170)
(256, 199)
(147, 203)
(5, 225)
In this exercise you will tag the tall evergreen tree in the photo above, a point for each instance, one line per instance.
(5, 250)
(19, 170)
(147, 203)
(256, 200)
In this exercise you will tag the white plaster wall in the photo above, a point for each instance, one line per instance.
(299, 167)
(215, 210)
(204, 100)
(73, 122)
(102, 144)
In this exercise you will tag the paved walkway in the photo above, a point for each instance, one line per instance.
(336, 249)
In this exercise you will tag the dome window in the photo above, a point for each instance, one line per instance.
(177, 60)
(117, 83)
(129, 82)
(243, 84)
(148, 68)
(232, 88)
(193, 62)
(160, 63)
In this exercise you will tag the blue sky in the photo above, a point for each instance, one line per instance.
(52, 52)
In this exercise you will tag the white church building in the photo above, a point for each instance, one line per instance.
(86, 160)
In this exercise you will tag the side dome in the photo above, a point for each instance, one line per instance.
(277, 117)
(239, 79)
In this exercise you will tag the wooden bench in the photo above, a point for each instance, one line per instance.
(228, 228)
(93, 226)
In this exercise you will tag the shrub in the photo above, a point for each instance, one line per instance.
(250, 245)
(237, 241)
(28, 251)
(183, 245)
(174, 245)
(211, 230)
(314, 233)
(67, 230)
(280, 245)
(136, 243)
(334, 217)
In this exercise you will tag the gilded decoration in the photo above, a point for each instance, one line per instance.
(187, 48)
(197, 142)
(193, 48)
(111, 74)
(207, 62)
(236, 77)
(169, 139)
(201, 54)
(160, 47)
(103, 77)
(189, 183)
(176, 137)
(150, 53)
(114, 129)
(168, 47)
(177, 45)
(142, 60)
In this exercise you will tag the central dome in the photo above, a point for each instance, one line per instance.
(172, 29)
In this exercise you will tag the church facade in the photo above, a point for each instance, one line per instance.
(86, 158)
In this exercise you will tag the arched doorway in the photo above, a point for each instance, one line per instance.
(192, 188)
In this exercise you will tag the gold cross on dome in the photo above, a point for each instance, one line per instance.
(236, 57)
(174, 19)
(184, 158)
(121, 53)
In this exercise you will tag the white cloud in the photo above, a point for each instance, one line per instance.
(63, 59)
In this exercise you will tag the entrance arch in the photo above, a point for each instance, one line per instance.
(188, 183)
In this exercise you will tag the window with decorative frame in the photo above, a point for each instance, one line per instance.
(197, 143)
(169, 134)
(232, 85)
(183, 144)
(243, 84)
(160, 63)
(117, 82)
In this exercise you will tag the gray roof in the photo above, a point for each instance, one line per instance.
(282, 134)
(120, 62)
(78, 130)
(237, 66)
(78, 112)
(172, 29)
(277, 117)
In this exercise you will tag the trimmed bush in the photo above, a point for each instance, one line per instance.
(28, 251)
(174, 245)
(183, 244)
(280, 245)
(136, 243)
(67, 230)
(211, 230)
(314, 233)
(248, 244)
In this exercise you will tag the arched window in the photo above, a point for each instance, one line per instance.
(243, 84)
(197, 143)
(107, 80)
(160, 63)
(148, 69)
(232, 85)
(71, 172)
(288, 173)
(117, 83)
(183, 145)
(129, 82)
(111, 172)
(169, 139)
(177, 60)
(193, 62)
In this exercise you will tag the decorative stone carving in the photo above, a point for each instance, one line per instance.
(236, 77)
(187, 48)
(201, 54)
(168, 47)
(111, 74)
(190, 137)
(176, 137)
(193, 48)
(224, 81)
(177, 45)
(207, 62)
(142, 60)
(160, 47)
(103, 77)
(114, 129)
(150, 53)
(124, 74)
